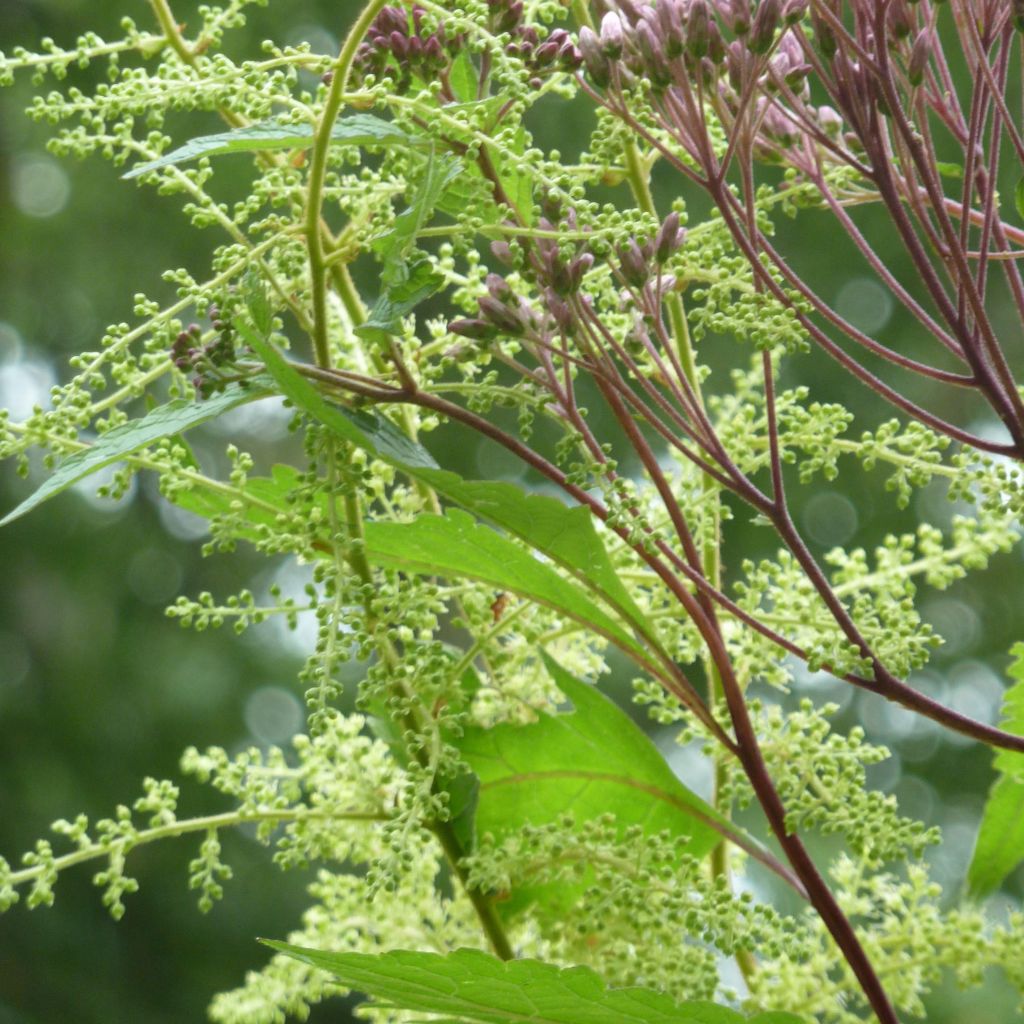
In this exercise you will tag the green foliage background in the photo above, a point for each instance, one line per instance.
(98, 688)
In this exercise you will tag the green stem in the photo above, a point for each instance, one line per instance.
(175, 829)
(318, 173)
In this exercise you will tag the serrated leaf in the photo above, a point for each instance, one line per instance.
(565, 535)
(164, 421)
(472, 986)
(1000, 844)
(356, 130)
(400, 298)
(463, 77)
(394, 245)
(455, 546)
(592, 761)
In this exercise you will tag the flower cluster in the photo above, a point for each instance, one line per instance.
(404, 45)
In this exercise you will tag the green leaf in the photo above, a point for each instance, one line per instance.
(264, 500)
(418, 281)
(1000, 844)
(592, 761)
(473, 986)
(356, 130)
(999, 847)
(394, 245)
(256, 299)
(463, 78)
(517, 182)
(454, 546)
(1018, 198)
(565, 535)
(163, 421)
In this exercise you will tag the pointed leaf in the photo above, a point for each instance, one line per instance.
(592, 761)
(356, 129)
(454, 546)
(565, 535)
(1000, 844)
(164, 421)
(473, 986)
(418, 281)
(394, 245)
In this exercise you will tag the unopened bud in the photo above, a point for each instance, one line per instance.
(671, 26)
(596, 63)
(633, 264)
(502, 252)
(766, 22)
(920, 53)
(824, 37)
(577, 269)
(500, 315)
(899, 19)
(478, 330)
(698, 29)
(669, 238)
(612, 35)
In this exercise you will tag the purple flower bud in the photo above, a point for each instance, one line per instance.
(501, 316)
(765, 24)
(498, 287)
(669, 238)
(830, 121)
(577, 269)
(824, 36)
(612, 35)
(478, 330)
(633, 264)
(698, 29)
(399, 45)
(502, 252)
(597, 65)
(794, 10)
(899, 19)
(670, 19)
(737, 15)
(434, 52)
(653, 54)
(559, 310)
(920, 53)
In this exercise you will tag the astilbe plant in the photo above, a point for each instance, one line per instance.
(475, 607)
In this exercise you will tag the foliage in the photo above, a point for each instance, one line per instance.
(460, 808)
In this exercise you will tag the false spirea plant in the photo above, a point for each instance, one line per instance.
(546, 302)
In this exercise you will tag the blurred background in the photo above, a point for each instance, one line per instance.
(98, 689)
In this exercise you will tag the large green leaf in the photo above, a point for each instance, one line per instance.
(455, 546)
(592, 761)
(565, 535)
(164, 421)
(1000, 844)
(472, 986)
(356, 129)
(999, 847)
(395, 244)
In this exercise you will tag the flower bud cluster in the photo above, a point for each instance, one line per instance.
(190, 355)
(639, 262)
(400, 44)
